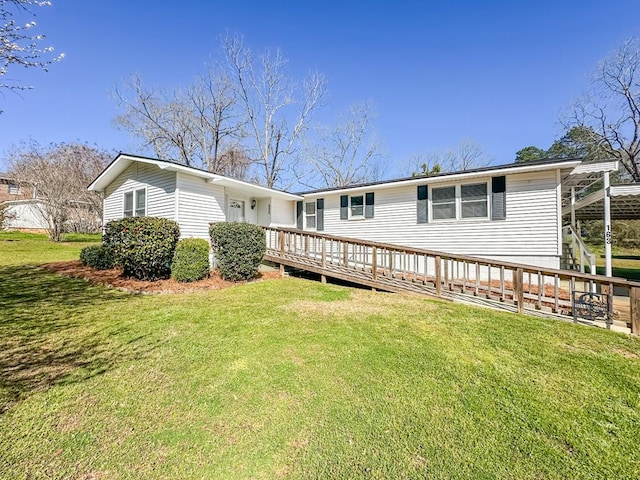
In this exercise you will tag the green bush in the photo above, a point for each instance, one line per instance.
(96, 256)
(191, 260)
(142, 246)
(239, 248)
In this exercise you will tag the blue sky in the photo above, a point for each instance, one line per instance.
(495, 72)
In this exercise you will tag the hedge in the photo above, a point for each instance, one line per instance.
(142, 246)
(190, 260)
(96, 256)
(239, 249)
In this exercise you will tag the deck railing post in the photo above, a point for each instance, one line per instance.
(281, 242)
(518, 284)
(438, 276)
(634, 297)
(324, 253)
(374, 263)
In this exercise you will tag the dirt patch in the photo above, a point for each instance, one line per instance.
(625, 353)
(359, 303)
(114, 278)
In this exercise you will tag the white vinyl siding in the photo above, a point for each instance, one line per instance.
(283, 213)
(199, 204)
(160, 191)
(530, 230)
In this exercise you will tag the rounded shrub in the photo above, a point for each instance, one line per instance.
(142, 246)
(96, 256)
(190, 260)
(238, 248)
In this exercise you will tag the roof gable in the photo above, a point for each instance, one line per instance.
(123, 160)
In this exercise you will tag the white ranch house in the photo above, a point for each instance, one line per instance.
(509, 213)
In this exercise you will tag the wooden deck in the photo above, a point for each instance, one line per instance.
(499, 285)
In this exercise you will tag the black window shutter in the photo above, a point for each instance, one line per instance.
(299, 223)
(368, 205)
(320, 214)
(423, 204)
(499, 198)
(344, 207)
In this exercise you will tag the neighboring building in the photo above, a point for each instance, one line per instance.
(509, 212)
(21, 206)
(25, 215)
(10, 189)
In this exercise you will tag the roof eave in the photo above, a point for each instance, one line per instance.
(451, 177)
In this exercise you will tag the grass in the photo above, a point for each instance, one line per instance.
(17, 248)
(295, 379)
(625, 262)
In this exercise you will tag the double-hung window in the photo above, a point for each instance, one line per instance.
(458, 202)
(13, 189)
(473, 201)
(357, 206)
(311, 214)
(443, 203)
(135, 203)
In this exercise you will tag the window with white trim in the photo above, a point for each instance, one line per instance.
(357, 206)
(13, 189)
(460, 202)
(135, 203)
(473, 201)
(443, 203)
(310, 214)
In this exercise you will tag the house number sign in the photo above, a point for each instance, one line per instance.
(607, 235)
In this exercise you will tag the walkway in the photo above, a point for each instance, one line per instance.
(499, 285)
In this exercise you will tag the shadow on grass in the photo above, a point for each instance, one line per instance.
(52, 331)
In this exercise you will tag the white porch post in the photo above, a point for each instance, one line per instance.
(573, 209)
(607, 225)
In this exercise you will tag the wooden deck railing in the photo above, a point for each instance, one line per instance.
(522, 288)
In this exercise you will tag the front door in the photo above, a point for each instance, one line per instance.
(236, 211)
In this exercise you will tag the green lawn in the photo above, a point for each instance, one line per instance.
(295, 379)
(625, 262)
(18, 248)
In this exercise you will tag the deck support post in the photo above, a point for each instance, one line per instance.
(282, 270)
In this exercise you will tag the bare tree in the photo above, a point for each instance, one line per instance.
(421, 164)
(611, 107)
(60, 174)
(276, 118)
(19, 46)
(195, 125)
(346, 154)
(466, 155)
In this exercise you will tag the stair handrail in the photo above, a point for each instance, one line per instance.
(586, 256)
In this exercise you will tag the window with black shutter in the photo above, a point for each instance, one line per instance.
(499, 198)
(423, 204)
